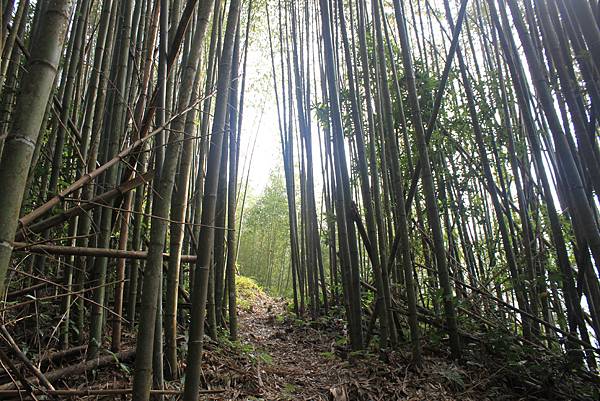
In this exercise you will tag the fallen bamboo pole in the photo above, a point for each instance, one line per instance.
(5, 361)
(65, 353)
(80, 251)
(89, 177)
(24, 291)
(83, 207)
(23, 358)
(78, 369)
(97, 392)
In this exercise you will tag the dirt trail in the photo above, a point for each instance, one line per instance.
(295, 362)
(304, 362)
(279, 357)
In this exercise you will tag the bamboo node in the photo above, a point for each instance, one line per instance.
(23, 139)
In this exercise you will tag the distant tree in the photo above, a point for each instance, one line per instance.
(265, 243)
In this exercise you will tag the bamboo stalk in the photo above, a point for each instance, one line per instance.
(80, 368)
(23, 358)
(79, 251)
(85, 206)
(97, 392)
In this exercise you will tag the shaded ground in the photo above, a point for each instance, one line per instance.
(287, 359)
(281, 358)
(307, 362)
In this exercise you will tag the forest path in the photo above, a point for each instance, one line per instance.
(293, 361)
(298, 360)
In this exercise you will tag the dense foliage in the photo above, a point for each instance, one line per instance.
(440, 180)
(264, 241)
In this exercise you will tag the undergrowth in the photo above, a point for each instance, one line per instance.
(248, 291)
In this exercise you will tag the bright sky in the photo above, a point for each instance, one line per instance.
(260, 109)
(260, 112)
(260, 118)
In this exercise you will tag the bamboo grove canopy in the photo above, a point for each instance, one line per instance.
(440, 173)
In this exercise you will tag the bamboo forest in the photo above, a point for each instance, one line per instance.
(299, 200)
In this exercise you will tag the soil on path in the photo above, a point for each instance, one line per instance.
(279, 357)
(308, 361)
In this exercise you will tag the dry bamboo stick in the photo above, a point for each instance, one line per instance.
(78, 368)
(80, 251)
(23, 358)
(98, 392)
(88, 177)
(81, 208)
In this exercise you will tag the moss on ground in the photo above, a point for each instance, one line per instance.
(248, 291)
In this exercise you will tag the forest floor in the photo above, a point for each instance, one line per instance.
(308, 361)
(290, 359)
(279, 357)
